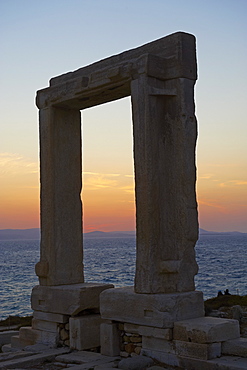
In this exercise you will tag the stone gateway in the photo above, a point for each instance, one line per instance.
(160, 79)
(161, 316)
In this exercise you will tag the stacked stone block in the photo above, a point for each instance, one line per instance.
(158, 323)
(65, 315)
(149, 317)
(200, 340)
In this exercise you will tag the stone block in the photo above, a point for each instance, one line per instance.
(53, 317)
(158, 344)
(222, 363)
(17, 354)
(38, 348)
(5, 336)
(64, 334)
(15, 342)
(129, 348)
(106, 366)
(8, 348)
(158, 310)
(85, 332)
(237, 312)
(29, 336)
(135, 363)
(198, 350)
(109, 340)
(206, 330)
(32, 361)
(148, 331)
(84, 359)
(179, 61)
(67, 299)
(45, 325)
(164, 357)
(235, 347)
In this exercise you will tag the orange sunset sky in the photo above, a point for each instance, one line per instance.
(36, 46)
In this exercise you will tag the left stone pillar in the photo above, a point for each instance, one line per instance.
(62, 293)
(61, 252)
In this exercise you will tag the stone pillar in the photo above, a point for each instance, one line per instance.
(61, 260)
(165, 132)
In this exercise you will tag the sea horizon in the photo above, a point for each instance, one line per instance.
(34, 234)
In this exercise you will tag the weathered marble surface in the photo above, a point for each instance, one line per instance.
(160, 78)
(206, 330)
(85, 332)
(157, 310)
(67, 299)
(61, 258)
(165, 132)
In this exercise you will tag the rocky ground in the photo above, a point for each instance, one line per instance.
(38, 358)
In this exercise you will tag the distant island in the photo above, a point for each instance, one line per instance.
(34, 234)
(20, 234)
(111, 234)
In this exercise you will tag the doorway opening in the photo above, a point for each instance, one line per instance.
(108, 169)
(108, 193)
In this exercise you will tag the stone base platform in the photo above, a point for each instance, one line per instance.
(169, 328)
(157, 310)
(67, 299)
(63, 315)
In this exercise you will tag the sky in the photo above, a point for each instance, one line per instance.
(43, 39)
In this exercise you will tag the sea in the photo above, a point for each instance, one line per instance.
(221, 259)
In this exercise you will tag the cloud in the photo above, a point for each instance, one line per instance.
(211, 204)
(206, 176)
(232, 183)
(96, 181)
(99, 182)
(128, 189)
(15, 164)
(239, 182)
(101, 174)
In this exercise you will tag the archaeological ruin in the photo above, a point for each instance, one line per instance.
(162, 315)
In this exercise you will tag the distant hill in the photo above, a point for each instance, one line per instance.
(18, 234)
(111, 234)
(34, 234)
(205, 232)
(202, 231)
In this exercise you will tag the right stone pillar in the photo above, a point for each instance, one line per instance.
(165, 133)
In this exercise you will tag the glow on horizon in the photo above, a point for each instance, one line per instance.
(19, 195)
(108, 195)
(36, 46)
